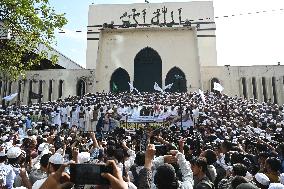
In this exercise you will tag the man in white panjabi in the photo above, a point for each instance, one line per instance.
(82, 119)
(88, 119)
(95, 118)
(74, 117)
(64, 115)
(57, 119)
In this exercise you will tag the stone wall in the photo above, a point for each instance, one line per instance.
(54, 84)
(259, 82)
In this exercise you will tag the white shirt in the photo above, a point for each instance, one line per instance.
(7, 175)
(38, 183)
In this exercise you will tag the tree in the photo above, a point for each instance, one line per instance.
(31, 25)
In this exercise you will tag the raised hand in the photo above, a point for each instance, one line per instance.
(115, 179)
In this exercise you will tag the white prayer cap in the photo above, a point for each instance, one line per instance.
(42, 146)
(278, 129)
(56, 159)
(69, 138)
(276, 186)
(110, 111)
(4, 138)
(8, 145)
(45, 151)
(262, 179)
(104, 142)
(282, 178)
(14, 152)
(217, 140)
(262, 134)
(33, 137)
(2, 153)
(83, 157)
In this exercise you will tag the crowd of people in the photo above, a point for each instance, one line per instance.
(212, 141)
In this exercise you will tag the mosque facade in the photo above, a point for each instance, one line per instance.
(143, 44)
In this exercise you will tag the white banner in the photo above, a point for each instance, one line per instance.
(218, 87)
(168, 86)
(10, 97)
(157, 88)
(143, 119)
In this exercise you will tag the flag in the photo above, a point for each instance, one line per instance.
(131, 87)
(114, 87)
(136, 90)
(218, 87)
(35, 96)
(202, 96)
(10, 97)
(157, 88)
(168, 86)
(195, 113)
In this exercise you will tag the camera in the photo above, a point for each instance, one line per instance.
(81, 174)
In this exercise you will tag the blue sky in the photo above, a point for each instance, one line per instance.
(250, 39)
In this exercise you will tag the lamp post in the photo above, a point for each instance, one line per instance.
(179, 78)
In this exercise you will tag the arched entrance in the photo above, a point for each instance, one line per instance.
(147, 70)
(119, 80)
(81, 87)
(177, 77)
(214, 80)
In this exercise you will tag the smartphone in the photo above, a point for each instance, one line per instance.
(81, 174)
(161, 150)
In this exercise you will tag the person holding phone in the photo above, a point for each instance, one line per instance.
(165, 176)
(115, 178)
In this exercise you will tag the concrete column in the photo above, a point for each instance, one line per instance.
(22, 91)
(5, 88)
(14, 89)
(9, 88)
(18, 90)
(256, 87)
(63, 90)
(45, 87)
(35, 90)
(279, 90)
(240, 87)
(259, 89)
(249, 87)
(269, 88)
(55, 85)
(26, 91)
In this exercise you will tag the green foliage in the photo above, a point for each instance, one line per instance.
(32, 25)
